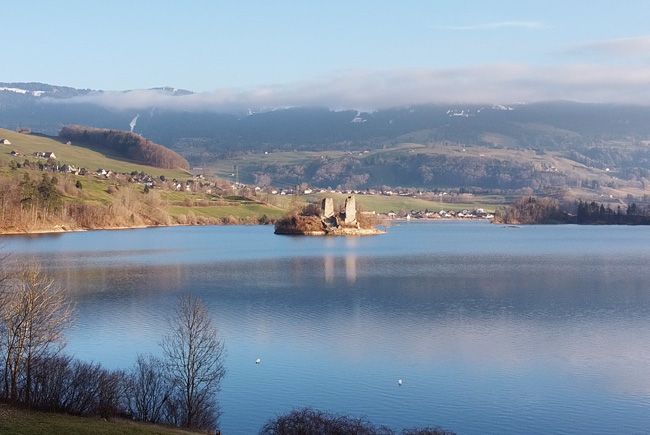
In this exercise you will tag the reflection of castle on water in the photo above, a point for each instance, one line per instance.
(349, 263)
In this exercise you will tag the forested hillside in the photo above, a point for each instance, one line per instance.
(124, 144)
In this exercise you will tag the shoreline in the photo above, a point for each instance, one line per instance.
(58, 229)
(352, 232)
(62, 230)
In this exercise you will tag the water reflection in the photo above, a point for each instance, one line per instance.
(351, 268)
(328, 268)
(540, 328)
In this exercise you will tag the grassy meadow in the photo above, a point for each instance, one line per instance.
(82, 157)
(14, 421)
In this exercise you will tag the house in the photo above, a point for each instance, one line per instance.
(5, 142)
(104, 172)
(68, 169)
(45, 155)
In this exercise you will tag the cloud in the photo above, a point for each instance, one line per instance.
(633, 46)
(497, 25)
(370, 90)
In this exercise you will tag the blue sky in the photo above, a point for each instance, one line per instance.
(251, 47)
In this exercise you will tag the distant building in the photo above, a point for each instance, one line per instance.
(45, 155)
(5, 142)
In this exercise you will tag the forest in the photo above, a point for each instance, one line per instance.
(532, 210)
(124, 144)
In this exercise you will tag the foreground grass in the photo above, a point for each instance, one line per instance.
(23, 422)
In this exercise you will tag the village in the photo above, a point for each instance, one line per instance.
(46, 161)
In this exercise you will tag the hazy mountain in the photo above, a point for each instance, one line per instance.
(594, 135)
(46, 108)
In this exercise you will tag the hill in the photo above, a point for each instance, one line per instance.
(600, 149)
(124, 144)
(442, 167)
(68, 192)
(80, 156)
(550, 125)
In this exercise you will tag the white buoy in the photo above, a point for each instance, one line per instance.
(399, 382)
(258, 360)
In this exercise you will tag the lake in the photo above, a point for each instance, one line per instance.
(493, 329)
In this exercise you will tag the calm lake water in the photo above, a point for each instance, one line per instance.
(539, 329)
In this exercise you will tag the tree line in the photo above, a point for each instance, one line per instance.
(125, 144)
(599, 214)
(532, 210)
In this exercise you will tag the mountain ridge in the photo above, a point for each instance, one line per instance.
(597, 136)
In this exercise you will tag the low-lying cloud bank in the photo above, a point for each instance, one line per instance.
(371, 90)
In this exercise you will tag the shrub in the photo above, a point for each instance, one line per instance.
(307, 421)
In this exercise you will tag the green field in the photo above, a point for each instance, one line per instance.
(22, 422)
(395, 203)
(239, 209)
(27, 144)
(161, 206)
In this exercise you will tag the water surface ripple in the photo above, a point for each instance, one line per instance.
(539, 329)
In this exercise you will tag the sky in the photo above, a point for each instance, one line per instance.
(367, 54)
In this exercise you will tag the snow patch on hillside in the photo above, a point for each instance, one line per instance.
(23, 91)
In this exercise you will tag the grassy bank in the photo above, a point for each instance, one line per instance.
(73, 202)
(97, 202)
(15, 421)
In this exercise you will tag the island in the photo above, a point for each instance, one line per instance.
(313, 220)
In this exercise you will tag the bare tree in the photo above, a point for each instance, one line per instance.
(193, 356)
(4, 276)
(34, 315)
(148, 391)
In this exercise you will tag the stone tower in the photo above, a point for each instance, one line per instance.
(327, 208)
(350, 210)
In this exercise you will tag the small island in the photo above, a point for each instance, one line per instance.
(313, 220)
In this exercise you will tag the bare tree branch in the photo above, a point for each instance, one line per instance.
(193, 356)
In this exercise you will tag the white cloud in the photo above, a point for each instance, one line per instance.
(368, 90)
(497, 25)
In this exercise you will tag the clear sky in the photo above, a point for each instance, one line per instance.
(216, 45)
